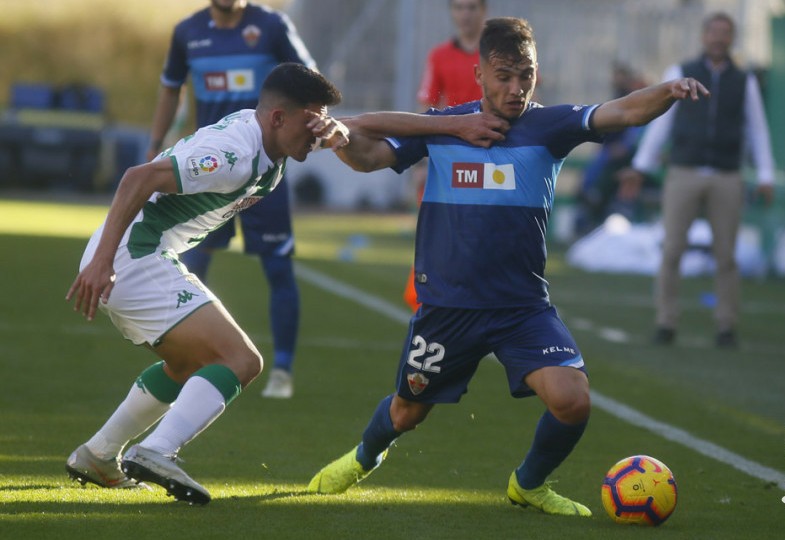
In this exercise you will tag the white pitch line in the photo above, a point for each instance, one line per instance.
(344, 290)
(604, 403)
(677, 435)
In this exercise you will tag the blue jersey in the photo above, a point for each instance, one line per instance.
(228, 66)
(481, 229)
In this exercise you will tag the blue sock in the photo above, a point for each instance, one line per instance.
(378, 435)
(197, 261)
(284, 308)
(283, 360)
(553, 442)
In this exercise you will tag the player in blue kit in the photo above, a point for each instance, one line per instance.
(480, 261)
(228, 49)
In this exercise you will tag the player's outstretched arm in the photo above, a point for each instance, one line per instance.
(479, 129)
(367, 151)
(360, 152)
(643, 106)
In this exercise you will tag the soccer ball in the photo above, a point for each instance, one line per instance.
(639, 490)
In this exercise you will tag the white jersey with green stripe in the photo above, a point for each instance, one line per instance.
(221, 169)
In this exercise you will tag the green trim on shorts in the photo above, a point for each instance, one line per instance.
(160, 340)
(155, 381)
(223, 379)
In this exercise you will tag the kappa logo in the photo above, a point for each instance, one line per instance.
(417, 382)
(231, 158)
(483, 176)
(184, 297)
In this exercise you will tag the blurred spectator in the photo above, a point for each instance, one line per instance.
(707, 145)
(449, 72)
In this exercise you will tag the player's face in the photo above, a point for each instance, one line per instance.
(296, 139)
(507, 84)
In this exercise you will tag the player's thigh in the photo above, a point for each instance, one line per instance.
(526, 341)
(152, 295)
(210, 335)
(443, 349)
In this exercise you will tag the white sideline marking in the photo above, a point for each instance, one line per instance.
(610, 406)
(344, 290)
(672, 433)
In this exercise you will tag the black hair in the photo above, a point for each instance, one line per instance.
(300, 85)
(506, 37)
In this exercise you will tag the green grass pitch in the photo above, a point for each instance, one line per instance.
(60, 377)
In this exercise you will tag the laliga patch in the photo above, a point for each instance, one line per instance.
(417, 382)
(203, 165)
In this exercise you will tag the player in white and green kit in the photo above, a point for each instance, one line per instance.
(131, 270)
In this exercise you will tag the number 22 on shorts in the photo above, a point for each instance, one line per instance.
(424, 356)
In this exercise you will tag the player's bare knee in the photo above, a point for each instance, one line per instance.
(246, 365)
(574, 410)
(404, 421)
(254, 364)
(409, 416)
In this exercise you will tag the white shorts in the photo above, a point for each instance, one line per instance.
(151, 295)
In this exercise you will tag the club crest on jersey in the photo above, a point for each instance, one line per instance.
(417, 382)
(251, 35)
(483, 176)
(203, 165)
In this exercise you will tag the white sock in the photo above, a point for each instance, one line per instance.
(133, 416)
(197, 406)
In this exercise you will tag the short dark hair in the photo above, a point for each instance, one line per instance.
(301, 85)
(506, 37)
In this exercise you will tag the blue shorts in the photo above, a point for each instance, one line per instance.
(445, 346)
(267, 226)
